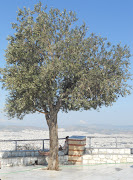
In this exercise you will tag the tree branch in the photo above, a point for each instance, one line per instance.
(41, 112)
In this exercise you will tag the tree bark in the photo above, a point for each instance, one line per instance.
(53, 162)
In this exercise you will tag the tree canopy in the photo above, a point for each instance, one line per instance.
(52, 64)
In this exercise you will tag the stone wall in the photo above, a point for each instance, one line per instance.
(106, 158)
(26, 158)
(112, 155)
(91, 156)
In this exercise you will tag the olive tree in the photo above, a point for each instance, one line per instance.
(52, 64)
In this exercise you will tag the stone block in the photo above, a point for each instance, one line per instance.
(75, 152)
(102, 156)
(120, 156)
(118, 161)
(101, 162)
(121, 151)
(15, 163)
(123, 160)
(42, 161)
(85, 157)
(95, 151)
(72, 147)
(14, 160)
(78, 163)
(20, 161)
(127, 151)
(9, 160)
(130, 156)
(9, 165)
(95, 156)
(4, 161)
(1, 154)
(96, 159)
(115, 157)
(92, 161)
(116, 151)
(110, 161)
(26, 161)
(85, 161)
(125, 156)
(129, 159)
(110, 151)
(102, 151)
(75, 158)
(108, 156)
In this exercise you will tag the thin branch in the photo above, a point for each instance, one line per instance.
(41, 112)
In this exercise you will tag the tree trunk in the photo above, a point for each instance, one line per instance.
(53, 162)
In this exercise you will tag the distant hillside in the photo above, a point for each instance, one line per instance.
(19, 128)
(101, 129)
(91, 129)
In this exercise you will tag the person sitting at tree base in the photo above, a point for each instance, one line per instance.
(62, 150)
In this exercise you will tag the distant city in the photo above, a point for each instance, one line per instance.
(91, 129)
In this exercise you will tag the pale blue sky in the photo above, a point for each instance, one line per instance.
(111, 19)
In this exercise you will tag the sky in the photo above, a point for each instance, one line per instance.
(108, 18)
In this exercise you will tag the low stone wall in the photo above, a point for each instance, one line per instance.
(23, 161)
(26, 158)
(105, 158)
(111, 155)
(28, 161)
(91, 156)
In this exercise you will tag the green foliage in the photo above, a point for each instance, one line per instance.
(53, 65)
